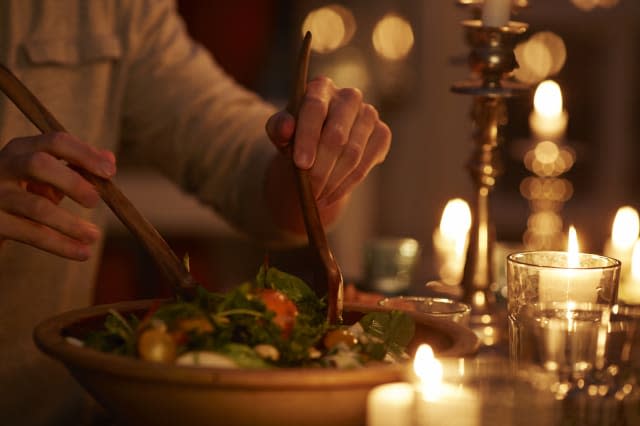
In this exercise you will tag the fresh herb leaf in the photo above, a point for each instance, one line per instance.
(293, 287)
(395, 329)
(118, 335)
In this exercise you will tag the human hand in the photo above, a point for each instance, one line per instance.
(34, 178)
(338, 138)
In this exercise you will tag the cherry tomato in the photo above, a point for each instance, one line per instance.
(285, 310)
(339, 335)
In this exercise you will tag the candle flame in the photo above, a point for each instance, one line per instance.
(547, 100)
(429, 371)
(626, 228)
(455, 223)
(635, 262)
(573, 259)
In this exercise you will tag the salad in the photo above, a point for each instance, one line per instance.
(276, 320)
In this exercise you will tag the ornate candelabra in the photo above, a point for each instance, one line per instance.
(491, 60)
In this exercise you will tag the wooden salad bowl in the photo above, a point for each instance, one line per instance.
(138, 392)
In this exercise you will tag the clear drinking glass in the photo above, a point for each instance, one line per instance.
(594, 351)
(566, 338)
(537, 280)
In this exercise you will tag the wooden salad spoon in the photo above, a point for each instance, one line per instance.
(313, 224)
(171, 267)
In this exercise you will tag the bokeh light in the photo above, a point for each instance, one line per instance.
(556, 47)
(554, 190)
(549, 159)
(349, 69)
(546, 220)
(392, 37)
(608, 3)
(542, 55)
(587, 5)
(332, 27)
(544, 230)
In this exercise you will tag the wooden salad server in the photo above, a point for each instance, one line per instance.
(315, 230)
(171, 267)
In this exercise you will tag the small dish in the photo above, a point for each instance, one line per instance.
(438, 307)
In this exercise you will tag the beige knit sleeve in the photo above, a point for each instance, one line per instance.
(194, 123)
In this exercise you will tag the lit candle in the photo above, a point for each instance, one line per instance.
(629, 291)
(439, 403)
(390, 404)
(450, 241)
(548, 120)
(569, 281)
(624, 233)
(496, 13)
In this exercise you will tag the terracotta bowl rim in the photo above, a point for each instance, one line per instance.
(48, 336)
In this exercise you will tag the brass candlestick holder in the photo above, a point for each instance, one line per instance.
(491, 61)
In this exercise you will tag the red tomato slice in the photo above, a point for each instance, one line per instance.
(285, 310)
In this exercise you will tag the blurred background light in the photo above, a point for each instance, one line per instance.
(542, 55)
(392, 37)
(587, 5)
(349, 69)
(332, 27)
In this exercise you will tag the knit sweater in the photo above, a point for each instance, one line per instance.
(116, 72)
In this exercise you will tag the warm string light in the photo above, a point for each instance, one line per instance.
(549, 158)
(541, 56)
(588, 5)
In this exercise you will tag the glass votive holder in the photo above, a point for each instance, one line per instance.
(483, 391)
(541, 277)
(567, 338)
(438, 307)
(389, 264)
(593, 350)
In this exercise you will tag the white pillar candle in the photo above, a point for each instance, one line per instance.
(496, 13)
(568, 282)
(390, 404)
(624, 233)
(450, 240)
(629, 291)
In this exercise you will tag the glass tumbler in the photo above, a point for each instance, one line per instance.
(537, 279)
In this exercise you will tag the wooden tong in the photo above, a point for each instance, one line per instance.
(165, 258)
(315, 230)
